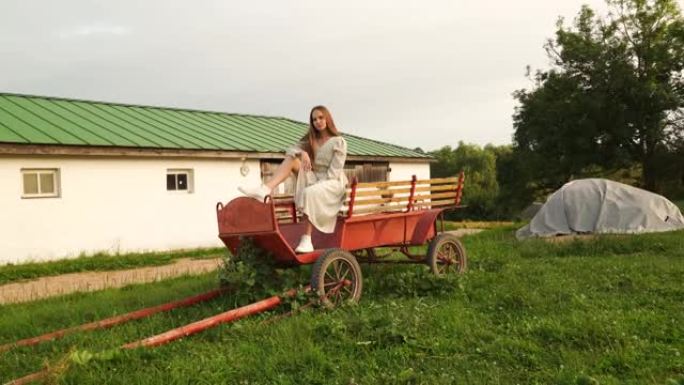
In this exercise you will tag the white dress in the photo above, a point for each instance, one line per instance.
(320, 193)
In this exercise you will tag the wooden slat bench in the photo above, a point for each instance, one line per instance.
(386, 197)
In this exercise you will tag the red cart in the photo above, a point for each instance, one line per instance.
(377, 220)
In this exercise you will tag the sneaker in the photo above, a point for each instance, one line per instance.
(259, 192)
(305, 245)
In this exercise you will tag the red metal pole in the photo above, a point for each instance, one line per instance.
(28, 379)
(409, 206)
(113, 321)
(459, 187)
(196, 327)
(352, 197)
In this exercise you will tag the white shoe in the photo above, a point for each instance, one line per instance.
(305, 245)
(258, 192)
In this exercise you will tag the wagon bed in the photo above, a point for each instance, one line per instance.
(378, 214)
(389, 215)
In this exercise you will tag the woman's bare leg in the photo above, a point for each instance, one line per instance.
(283, 171)
(309, 226)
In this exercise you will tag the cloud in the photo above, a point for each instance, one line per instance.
(84, 31)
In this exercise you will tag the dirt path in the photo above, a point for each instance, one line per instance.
(91, 281)
(462, 232)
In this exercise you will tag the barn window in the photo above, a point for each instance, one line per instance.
(40, 183)
(179, 180)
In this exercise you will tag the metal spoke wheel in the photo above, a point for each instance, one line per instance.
(446, 255)
(336, 278)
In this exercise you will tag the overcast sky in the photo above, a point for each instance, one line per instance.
(415, 73)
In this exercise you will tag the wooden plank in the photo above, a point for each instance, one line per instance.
(434, 181)
(281, 197)
(360, 202)
(451, 194)
(435, 203)
(438, 180)
(383, 184)
(402, 199)
(365, 193)
(279, 217)
(437, 188)
(445, 187)
(377, 209)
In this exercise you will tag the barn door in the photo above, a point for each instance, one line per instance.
(268, 169)
(367, 171)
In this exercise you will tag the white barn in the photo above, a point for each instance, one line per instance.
(84, 177)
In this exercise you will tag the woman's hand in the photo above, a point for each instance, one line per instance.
(306, 161)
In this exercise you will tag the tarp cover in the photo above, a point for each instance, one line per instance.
(602, 206)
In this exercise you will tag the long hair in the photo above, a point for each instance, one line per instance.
(307, 141)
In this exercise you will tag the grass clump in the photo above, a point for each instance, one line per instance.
(253, 274)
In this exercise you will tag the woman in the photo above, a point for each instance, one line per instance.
(321, 184)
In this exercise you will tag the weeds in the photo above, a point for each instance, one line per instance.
(253, 274)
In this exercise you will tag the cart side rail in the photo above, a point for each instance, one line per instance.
(387, 197)
(403, 196)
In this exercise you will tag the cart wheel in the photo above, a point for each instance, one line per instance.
(446, 255)
(336, 278)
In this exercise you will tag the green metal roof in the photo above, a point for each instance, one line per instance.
(35, 120)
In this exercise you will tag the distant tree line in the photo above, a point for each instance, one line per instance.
(612, 106)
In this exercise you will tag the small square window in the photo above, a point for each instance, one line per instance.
(31, 184)
(171, 181)
(40, 183)
(182, 181)
(179, 180)
(47, 183)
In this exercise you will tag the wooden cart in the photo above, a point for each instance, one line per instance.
(377, 220)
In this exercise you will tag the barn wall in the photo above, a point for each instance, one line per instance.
(404, 171)
(113, 205)
(122, 205)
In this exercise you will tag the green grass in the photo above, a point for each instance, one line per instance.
(99, 262)
(606, 311)
(455, 225)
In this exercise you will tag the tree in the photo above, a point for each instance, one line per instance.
(479, 166)
(614, 95)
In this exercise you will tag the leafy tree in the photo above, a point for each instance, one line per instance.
(614, 96)
(479, 166)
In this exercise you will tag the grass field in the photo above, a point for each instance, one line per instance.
(99, 262)
(601, 311)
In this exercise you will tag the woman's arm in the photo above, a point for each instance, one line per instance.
(336, 166)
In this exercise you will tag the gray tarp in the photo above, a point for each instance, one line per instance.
(602, 206)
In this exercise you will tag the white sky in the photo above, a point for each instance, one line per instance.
(414, 73)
